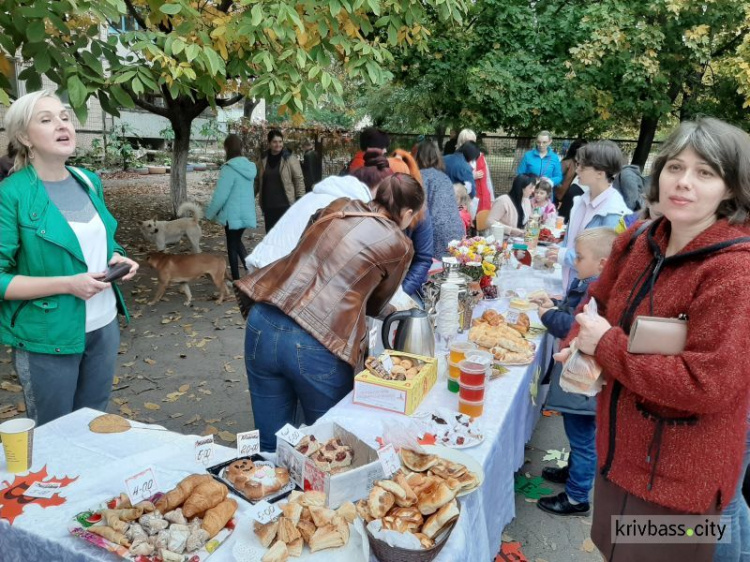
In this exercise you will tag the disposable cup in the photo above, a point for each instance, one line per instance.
(454, 371)
(459, 349)
(472, 373)
(18, 439)
(484, 357)
(471, 408)
(498, 230)
(472, 393)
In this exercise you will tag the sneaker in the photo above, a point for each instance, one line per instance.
(559, 505)
(556, 475)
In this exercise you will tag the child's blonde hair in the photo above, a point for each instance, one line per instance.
(598, 240)
(462, 195)
(545, 185)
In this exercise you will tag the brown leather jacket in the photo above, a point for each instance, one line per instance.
(342, 270)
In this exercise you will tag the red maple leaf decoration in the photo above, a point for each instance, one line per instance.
(13, 502)
(510, 552)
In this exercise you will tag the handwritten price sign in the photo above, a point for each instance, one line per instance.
(42, 490)
(264, 512)
(290, 434)
(511, 317)
(204, 449)
(141, 486)
(248, 443)
(389, 460)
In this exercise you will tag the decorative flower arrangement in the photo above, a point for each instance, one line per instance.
(475, 256)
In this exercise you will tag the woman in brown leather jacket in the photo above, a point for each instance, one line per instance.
(306, 330)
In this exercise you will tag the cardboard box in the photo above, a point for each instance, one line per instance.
(350, 485)
(403, 397)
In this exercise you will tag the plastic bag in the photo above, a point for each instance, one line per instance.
(581, 373)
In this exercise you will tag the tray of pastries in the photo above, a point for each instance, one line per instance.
(254, 478)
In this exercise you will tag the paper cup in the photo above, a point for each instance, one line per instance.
(18, 439)
(498, 231)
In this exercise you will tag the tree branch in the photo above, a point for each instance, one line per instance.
(734, 42)
(143, 104)
(231, 101)
(136, 16)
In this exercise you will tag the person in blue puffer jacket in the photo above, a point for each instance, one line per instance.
(593, 247)
(542, 161)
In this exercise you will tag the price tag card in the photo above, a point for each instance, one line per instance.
(373, 340)
(387, 362)
(264, 512)
(389, 460)
(521, 293)
(204, 449)
(511, 317)
(248, 443)
(290, 434)
(141, 486)
(42, 490)
(314, 479)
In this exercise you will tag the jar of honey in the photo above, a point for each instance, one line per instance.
(473, 409)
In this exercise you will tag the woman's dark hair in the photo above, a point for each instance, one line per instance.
(233, 146)
(725, 148)
(470, 151)
(520, 182)
(372, 137)
(604, 156)
(429, 156)
(573, 148)
(273, 133)
(375, 170)
(398, 193)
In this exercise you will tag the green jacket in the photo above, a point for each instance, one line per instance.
(36, 240)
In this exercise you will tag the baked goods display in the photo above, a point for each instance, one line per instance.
(522, 304)
(333, 456)
(173, 529)
(404, 369)
(504, 341)
(255, 480)
(305, 521)
(450, 428)
(420, 499)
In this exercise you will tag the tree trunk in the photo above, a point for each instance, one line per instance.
(180, 147)
(440, 134)
(247, 109)
(645, 140)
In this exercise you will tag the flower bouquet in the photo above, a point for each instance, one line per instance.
(475, 256)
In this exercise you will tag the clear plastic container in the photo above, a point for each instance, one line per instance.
(470, 408)
(471, 393)
(484, 357)
(472, 373)
(459, 349)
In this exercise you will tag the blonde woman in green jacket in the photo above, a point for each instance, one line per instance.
(56, 243)
(233, 202)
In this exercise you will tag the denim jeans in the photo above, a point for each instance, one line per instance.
(581, 432)
(56, 385)
(285, 364)
(737, 514)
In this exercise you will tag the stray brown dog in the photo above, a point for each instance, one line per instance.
(181, 268)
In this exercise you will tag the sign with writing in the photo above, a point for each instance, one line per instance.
(204, 449)
(315, 479)
(512, 317)
(248, 443)
(264, 512)
(389, 460)
(290, 434)
(141, 486)
(521, 293)
(42, 490)
(387, 362)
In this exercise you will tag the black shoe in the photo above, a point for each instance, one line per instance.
(559, 505)
(556, 475)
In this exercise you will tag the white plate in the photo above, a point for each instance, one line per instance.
(428, 426)
(461, 458)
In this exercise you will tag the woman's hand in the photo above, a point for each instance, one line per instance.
(86, 285)
(562, 355)
(543, 301)
(478, 174)
(117, 258)
(592, 330)
(552, 254)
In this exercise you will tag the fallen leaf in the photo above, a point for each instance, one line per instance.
(204, 391)
(177, 415)
(11, 387)
(166, 320)
(126, 411)
(172, 396)
(149, 361)
(588, 545)
(115, 381)
(210, 430)
(152, 406)
(213, 420)
(202, 383)
(128, 364)
(196, 418)
(227, 436)
(21, 407)
(507, 538)
(184, 388)
(120, 401)
(239, 356)
(229, 369)
(8, 412)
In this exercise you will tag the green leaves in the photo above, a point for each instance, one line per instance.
(170, 9)
(35, 31)
(76, 91)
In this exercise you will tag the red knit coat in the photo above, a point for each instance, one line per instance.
(702, 393)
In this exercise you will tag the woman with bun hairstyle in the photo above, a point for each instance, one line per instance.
(306, 327)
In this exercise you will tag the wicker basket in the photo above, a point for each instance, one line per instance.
(387, 553)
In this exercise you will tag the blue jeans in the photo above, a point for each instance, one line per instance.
(737, 514)
(285, 364)
(56, 385)
(581, 432)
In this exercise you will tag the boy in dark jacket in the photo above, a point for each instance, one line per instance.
(593, 247)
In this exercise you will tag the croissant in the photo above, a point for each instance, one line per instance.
(115, 522)
(127, 515)
(217, 517)
(110, 534)
(204, 497)
(175, 498)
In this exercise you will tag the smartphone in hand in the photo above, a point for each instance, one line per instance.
(116, 272)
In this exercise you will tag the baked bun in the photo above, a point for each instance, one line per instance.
(416, 461)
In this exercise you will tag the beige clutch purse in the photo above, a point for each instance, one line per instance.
(657, 336)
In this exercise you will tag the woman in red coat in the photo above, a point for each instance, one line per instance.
(671, 428)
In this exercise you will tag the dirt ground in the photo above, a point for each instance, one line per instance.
(178, 367)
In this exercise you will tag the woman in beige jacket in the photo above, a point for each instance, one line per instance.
(514, 208)
(279, 182)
